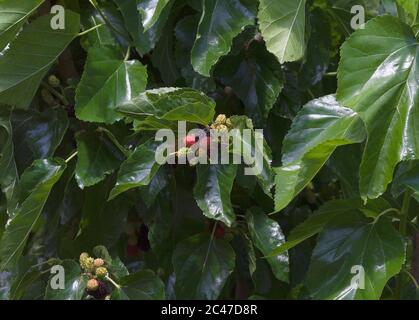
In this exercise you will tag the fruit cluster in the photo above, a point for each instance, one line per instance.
(98, 273)
(222, 124)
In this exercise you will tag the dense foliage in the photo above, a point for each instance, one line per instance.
(81, 188)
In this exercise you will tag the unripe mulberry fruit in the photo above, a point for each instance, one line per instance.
(88, 264)
(228, 123)
(102, 291)
(92, 285)
(83, 257)
(221, 119)
(222, 128)
(101, 272)
(189, 141)
(98, 262)
(54, 81)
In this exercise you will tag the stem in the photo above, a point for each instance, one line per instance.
(404, 212)
(330, 74)
(412, 278)
(71, 157)
(106, 19)
(55, 93)
(387, 211)
(91, 29)
(113, 282)
(127, 54)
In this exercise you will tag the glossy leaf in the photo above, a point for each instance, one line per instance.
(42, 132)
(263, 170)
(97, 156)
(8, 171)
(329, 211)
(185, 32)
(142, 285)
(31, 194)
(320, 127)
(102, 36)
(350, 241)
(151, 10)
(256, 77)
(13, 16)
(30, 55)
(221, 21)
(102, 221)
(132, 13)
(202, 266)
(107, 81)
(74, 284)
(406, 178)
(378, 79)
(164, 58)
(173, 104)
(267, 235)
(282, 24)
(341, 12)
(138, 170)
(212, 191)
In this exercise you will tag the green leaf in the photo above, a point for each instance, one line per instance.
(349, 241)
(185, 34)
(256, 78)
(13, 16)
(266, 235)
(340, 11)
(174, 104)
(317, 58)
(131, 17)
(112, 17)
(142, 285)
(102, 221)
(163, 57)
(42, 132)
(263, 171)
(31, 194)
(320, 127)
(221, 21)
(282, 24)
(151, 10)
(202, 266)
(378, 79)
(108, 80)
(97, 155)
(407, 176)
(212, 191)
(26, 275)
(411, 8)
(30, 56)
(74, 284)
(138, 170)
(102, 36)
(329, 211)
(8, 171)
